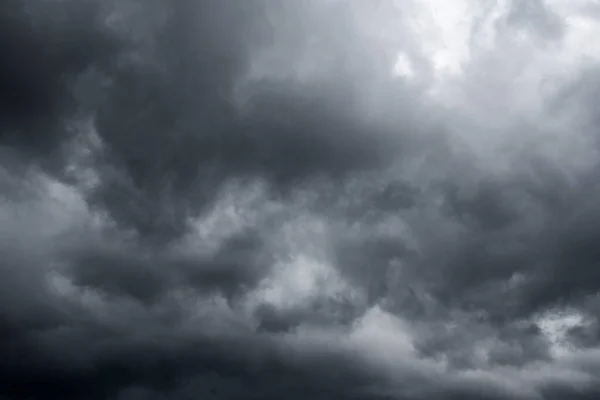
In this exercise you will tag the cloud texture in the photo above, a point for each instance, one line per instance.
(323, 199)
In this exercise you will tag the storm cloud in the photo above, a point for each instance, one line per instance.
(256, 199)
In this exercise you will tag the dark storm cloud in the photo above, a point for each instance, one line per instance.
(286, 138)
(568, 274)
(102, 366)
(146, 275)
(40, 58)
(236, 199)
(544, 253)
(371, 262)
(170, 136)
(172, 133)
(529, 246)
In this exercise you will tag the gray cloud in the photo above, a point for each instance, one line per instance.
(226, 199)
(536, 15)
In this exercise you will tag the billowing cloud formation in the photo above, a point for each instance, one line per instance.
(327, 199)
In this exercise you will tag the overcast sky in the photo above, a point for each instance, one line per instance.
(316, 199)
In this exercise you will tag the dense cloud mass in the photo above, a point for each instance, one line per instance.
(328, 199)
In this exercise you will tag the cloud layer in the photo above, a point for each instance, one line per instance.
(326, 199)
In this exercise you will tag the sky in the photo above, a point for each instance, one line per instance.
(324, 199)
